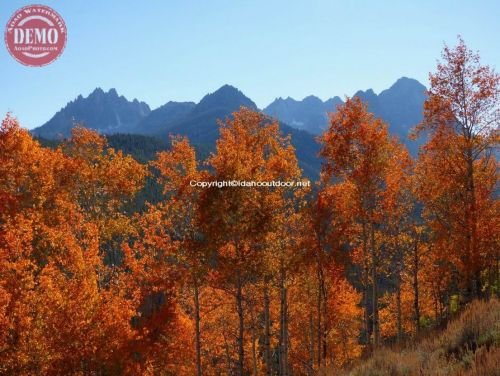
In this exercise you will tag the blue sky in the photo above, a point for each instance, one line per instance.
(158, 51)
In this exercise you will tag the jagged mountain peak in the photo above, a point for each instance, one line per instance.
(106, 112)
(406, 81)
(312, 99)
(225, 91)
(227, 97)
(365, 94)
(332, 103)
(96, 92)
(227, 88)
(405, 86)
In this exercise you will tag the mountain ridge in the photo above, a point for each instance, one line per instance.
(109, 113)
(309, 114)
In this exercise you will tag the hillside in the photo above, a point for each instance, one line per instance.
(470, 345)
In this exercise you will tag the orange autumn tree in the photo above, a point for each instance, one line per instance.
(62, 314)
(323, 286)
(237, 219)
(325, 318)
(396, 232)
(413, 302)
(457, 168)
(284, 256)
(178, 169)
(153, 280)
(360, 159)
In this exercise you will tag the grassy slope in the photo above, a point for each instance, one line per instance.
(470, 345)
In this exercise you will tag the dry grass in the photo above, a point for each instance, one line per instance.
(470, 346)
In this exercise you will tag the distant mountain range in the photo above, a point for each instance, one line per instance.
(107, 112)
